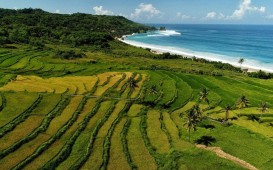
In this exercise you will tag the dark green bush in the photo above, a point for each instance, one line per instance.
(253, 118)
(261, 75)
(68, 55)
(225, 66)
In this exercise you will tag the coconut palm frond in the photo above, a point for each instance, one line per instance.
(204, 95)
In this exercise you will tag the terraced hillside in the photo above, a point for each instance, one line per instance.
(109, 114)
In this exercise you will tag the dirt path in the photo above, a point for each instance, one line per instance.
(225, 155)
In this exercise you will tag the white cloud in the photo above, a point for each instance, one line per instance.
(211, 15)
(100, 11)
(57, 11)
(147, 10)
(214, 15)
(123, 15)
(179, 15)
(245, 7)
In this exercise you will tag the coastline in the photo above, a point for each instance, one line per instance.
(159, 50)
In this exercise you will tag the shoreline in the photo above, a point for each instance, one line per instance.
(159, 50)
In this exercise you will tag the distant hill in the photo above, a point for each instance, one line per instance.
(35, 25)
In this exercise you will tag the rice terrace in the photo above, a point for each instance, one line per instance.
(74, 104)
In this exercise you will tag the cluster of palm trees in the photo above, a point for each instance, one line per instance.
(243, 102)
(194, 115)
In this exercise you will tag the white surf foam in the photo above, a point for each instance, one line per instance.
(169, 33)
(155, 35)
(163, 33)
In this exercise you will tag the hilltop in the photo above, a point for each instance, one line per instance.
(30, 26)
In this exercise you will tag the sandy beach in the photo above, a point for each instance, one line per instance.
(158, 50)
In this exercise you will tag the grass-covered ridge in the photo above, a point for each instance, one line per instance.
(129, 113)
(126, 108)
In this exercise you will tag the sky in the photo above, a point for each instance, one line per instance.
(161, 11)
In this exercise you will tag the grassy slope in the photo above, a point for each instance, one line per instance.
(176, 85)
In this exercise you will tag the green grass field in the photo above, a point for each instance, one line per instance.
(81, 114)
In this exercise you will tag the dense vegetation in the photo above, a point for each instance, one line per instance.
(83, 107)
(32, 25)
(261, 75)
(69, 54)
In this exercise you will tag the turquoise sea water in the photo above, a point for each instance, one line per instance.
(226, 43)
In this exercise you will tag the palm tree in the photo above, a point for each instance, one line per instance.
(243, 102)
(227, 110)
(241, 61)
(198, 112)
(263, 109)
(132, 83)
(193, 117)
(190, 123)
(204, 95)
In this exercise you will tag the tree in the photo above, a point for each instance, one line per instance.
(190, 123)
(242, 102)
(193, 117)
(132, 83)
(3, 36)
(263, 109)
(3, 40)
(227, 110)
(204, 95)
(19, 35)
(241, 61)
(198, 112)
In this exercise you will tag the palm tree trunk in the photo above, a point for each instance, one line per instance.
(189, 133)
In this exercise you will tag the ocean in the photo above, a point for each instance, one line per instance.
(225, 43)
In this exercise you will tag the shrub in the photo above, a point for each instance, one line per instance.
(261, 75)
(39, 44)
(168, 56)
(253, 118)
(225, 66)
(201, 72)
(3, 40)
(68, 55)
(214, 73)
(234, 118)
